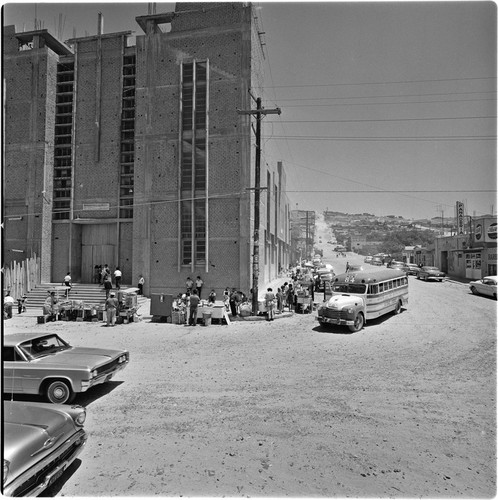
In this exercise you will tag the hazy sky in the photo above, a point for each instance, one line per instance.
(387, 108)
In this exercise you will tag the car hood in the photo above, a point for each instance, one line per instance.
(32, 431)
(337, 302)
(81, 356)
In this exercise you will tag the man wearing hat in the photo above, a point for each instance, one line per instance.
(111, 305)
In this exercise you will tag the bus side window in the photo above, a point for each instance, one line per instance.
(381, 287)
(390, 285)
(374, 289)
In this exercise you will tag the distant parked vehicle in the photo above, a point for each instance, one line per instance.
(485, 286)
(395, 264)
(410, 268)
(368, 259)
(430, 273)
(376, 261)
(354, 268)
(324, 275)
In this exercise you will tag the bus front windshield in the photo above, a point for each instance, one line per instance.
(353, 288)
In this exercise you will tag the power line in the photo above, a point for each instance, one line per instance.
(388, 96)
(383, 83)
(386, 119)
(393, 139)
(382, 103)
(381, 191)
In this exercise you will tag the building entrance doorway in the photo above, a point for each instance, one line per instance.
(97, 249)
(444, 262)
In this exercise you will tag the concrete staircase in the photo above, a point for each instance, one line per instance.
(89, 293)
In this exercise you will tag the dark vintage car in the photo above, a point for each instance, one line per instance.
(47, 365)
(410, 268)
(430, 273)
(40, 441)
(486, 286)
(324, 275)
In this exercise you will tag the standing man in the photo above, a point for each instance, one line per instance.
(270, 304)
(111, 305)
(235, 299)
(198, 284)
(107, 286)
(189, 284)
(194, 302)
(8, 303)
(141, 283)
(117, 277)
(67, 282)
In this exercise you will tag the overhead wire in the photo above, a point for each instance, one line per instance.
(432, 80)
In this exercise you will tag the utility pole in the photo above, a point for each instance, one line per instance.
(258, 112)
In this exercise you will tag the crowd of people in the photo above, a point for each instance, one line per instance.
(188, 302)
(237, 303)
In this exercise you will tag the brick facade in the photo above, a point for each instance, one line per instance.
(222, 34)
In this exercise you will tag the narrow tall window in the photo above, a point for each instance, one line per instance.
(63, 171)
(127, 158)
(193, 163)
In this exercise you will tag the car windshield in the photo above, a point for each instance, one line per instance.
(43, 346)
(430, 268)
(349, 288)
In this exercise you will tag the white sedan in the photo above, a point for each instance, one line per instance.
(486, 286)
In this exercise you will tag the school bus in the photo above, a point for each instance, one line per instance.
(359, 296)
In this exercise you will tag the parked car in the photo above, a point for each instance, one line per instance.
(368, 259)
(397, 265)
(40, 441)
(376, 261)
(354, 268)
(47, 365)
(410, 268)
(485, 286)
(430, 273)
(324, 274)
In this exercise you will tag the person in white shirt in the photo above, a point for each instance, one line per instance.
(198, 284)
(141, 282)
(117, 277)
(67, 282)
(8, 303)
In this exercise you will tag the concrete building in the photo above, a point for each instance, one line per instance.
(136, 155)
(472, 254)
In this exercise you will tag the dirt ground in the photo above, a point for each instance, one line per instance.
(404, 408)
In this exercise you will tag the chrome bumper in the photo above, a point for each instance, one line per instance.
(334, 321)
(15, 488)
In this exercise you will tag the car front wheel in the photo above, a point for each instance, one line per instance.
(59, 392)
(473, 290)
(358, 323)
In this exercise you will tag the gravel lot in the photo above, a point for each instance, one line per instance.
(404, 408)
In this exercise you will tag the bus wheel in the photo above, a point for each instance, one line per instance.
(358, 323)
(397, 310)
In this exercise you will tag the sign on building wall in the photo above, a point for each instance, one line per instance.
(485, 230)
(460, 211)
(92, 207)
